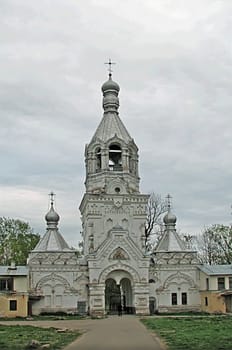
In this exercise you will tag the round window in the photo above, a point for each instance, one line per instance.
(117, 189)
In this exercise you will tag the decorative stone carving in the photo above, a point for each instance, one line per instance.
(54, 279)
(118, 202)
(178, 278)
(119, 266)
(119, 254)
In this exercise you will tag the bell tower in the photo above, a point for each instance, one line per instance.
(111, 155)
(114, 212)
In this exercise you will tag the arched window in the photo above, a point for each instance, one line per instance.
(98, 159)
(115, 158)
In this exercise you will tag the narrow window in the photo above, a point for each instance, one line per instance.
(230, 282)
(3, 284)
(47, 300)
(98, 159)
(207, 284)
(58, 300)
(130, 162)
(206, 301)
(184, 298)
(13, 305)
(221, 283)
(174, 298)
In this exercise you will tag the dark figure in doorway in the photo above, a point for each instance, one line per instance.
(119, 309)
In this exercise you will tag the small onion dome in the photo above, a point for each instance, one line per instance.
(52, 216)
(110, 85)
(169, 219)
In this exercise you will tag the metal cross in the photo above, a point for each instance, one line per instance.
(110, 64)
(169, 197)
(52, 197)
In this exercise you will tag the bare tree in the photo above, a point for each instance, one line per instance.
(156, 207)
(190, 240)
(215, 245)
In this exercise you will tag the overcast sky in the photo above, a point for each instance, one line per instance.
(174, 68)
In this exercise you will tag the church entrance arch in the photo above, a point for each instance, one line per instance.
(112, 296)
(118, 293)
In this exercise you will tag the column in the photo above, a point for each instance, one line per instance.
(97, 299)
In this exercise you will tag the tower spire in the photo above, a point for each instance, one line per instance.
(52, 240)
(52, 217)
(110, 91)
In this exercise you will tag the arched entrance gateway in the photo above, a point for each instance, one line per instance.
(118, 292)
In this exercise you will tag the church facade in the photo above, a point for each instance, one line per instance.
(115, 269)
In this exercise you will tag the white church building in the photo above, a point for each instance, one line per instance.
(115, 268)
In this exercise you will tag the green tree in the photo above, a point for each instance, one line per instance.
(215, 245)
(17, 239)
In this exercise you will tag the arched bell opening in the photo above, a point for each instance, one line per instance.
(115, 158)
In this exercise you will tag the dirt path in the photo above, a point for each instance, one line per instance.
(112, 333)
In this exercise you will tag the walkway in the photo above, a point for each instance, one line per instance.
(112, 333)
(124, 333)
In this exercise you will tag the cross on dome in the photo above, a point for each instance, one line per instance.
(52, 197)
(110, 66)
(169, 198)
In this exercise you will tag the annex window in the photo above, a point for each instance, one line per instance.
(115, 158)
(221, 283)
(98, 159)
(6, 284)
(13, 305)
(207, 283)
(230, 282)
(206, 301)
(184, 298)
(174, 298)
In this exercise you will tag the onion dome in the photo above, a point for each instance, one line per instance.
(110, 85)
(169, 218)
(52, 240)
(110, 91)
(52, 217)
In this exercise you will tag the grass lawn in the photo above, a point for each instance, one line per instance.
(44, 318)
(19, 337)
(193, 333)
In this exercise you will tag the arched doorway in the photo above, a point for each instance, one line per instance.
(112, 296)
(118, 294)
(152, 305)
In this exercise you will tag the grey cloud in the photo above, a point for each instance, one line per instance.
(174, 70)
